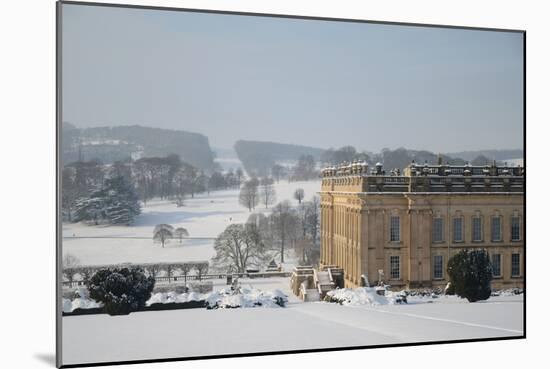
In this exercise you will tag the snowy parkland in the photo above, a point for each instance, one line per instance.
(367, 320)
(205, 216)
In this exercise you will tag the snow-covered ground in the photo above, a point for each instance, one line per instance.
(203, 216)
(314, 325)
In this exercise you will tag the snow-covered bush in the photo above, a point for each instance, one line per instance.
(359, 296)
(121, 290)
(245, 298)
(81, 300)
(173, 297)
(508, 292)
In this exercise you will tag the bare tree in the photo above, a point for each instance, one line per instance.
(239, 174)
(153, 269)
(240, 247)
(299, 195)
(303, 248)
(185, 269)
(304, 169)
(87, 273)
(162, 233)
(202, 268)
(248, 197)
(283, 218)
(70, 264)
(180, 233)
(277, 172)
(69, 195)
(313, 219)
(268, 195)
(70, 261)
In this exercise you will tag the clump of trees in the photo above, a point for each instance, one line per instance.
(268, 196)
(305, 169)
(115, 203)
(278, 172)
(299, 194)
(249, 196)
(146, 178)
(257, 191)
(162, 233)
(343, 154)
(470, 274)
(294, 228)
(284, 225)
(285, 228)
(121, 290)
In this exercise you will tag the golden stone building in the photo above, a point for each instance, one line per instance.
(405, 227)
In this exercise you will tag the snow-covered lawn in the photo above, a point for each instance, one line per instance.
(199, 332)
(203, 216)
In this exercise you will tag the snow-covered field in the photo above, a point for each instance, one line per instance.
(203, 216)
(314, 325)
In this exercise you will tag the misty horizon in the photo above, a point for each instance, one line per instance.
(359, 149)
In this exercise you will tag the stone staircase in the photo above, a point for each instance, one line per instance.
(312, 285)
(323, 282)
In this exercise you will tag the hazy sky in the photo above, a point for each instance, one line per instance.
(317, 83)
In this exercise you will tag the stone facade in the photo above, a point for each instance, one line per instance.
(408, 226)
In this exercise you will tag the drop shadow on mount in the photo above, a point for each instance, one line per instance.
(46, 358)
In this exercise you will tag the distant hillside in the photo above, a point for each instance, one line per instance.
(258, 157)
(109, 144)
(500, 155)
(401, 158)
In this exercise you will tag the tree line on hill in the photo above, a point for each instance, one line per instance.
(303, 163)
(110, 144)
(110, 193)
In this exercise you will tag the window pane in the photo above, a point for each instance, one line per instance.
(457, 229)
(496, 265)
(394, 267)
(495, 229)
(438, 267)
(476, 229)
(515, 265)
(438, 230)
(394, 228)
(515, 229)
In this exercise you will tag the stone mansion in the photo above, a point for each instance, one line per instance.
(403, 227)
